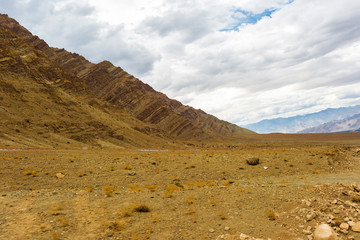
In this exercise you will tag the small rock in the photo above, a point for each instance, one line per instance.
(211, 230)
(59, 175)
(253, 161)
(244, 237)
(344, 226)
(132, 173)
(308, 203)
(311, 216)
(227, 228)
(356, 227)
(351, 223)
(356, 187)
(324, 232)
(336, 211)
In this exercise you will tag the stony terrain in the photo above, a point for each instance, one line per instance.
(208, 192)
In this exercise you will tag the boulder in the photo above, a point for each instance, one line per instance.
(253, 161)
(324, 232)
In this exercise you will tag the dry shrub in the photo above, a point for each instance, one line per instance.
(56, 236)
(175, 179)
(271, 215)
(151, 188)
(30, 173)
(134, 188)
(170, 189)
(355, 199)
(127, 167)
(190, 166)
(222, 215)
(197, 184)
(89, 188)
(64, 222)
(190, 210)
(108, 190)
(125, 212)
(190, 200)
(141, 208)
(117, 225)
(227, 183)
(57, 209)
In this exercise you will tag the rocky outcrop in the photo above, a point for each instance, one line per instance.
(37, 110)
(122, 91)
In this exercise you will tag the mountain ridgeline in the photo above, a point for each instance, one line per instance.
(302, 123)
(349, 124)
(50, 97)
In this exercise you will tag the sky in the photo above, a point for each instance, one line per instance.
(240, 60)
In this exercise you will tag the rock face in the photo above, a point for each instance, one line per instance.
(324, 232)
(37, 109)
(116, 88)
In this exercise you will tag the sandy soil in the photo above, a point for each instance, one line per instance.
(179, 194)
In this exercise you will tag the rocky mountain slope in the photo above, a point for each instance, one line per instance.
(36, 110)
(350, 124)
(298, 123)
(48, 88)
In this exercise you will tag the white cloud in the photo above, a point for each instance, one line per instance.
(303, 58)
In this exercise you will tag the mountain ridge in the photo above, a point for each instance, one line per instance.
(105, 86)
(349, 124)
(300, 122)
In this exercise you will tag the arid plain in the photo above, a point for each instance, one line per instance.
(205, 191)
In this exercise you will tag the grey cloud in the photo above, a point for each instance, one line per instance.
(71, 25)
(190, 25)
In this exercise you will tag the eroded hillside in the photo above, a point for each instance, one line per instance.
(124, 94)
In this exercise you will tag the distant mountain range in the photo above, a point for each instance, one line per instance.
(301, 122)
(350, 124)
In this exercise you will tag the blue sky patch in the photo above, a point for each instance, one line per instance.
(242, 17)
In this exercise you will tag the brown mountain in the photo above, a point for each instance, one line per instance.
(89, 103)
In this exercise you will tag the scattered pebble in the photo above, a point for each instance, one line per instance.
(59, 175)
(344, 226)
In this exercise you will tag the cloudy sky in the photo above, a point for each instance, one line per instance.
(241, 60)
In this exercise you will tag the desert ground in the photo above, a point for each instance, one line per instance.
(197, 192)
